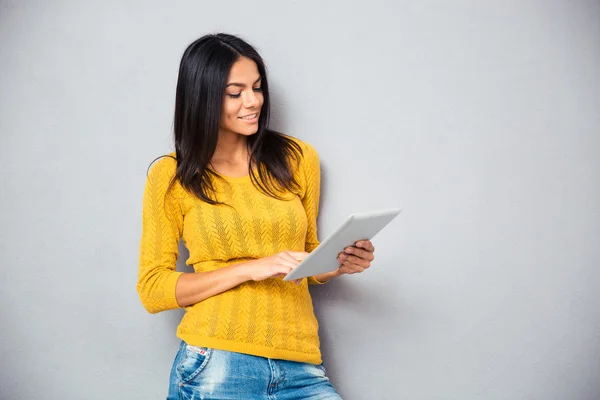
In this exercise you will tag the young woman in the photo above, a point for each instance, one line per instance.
(244, 199)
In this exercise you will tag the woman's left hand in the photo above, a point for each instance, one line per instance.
(357, 258)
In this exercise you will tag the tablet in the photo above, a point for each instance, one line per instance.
(356, 227)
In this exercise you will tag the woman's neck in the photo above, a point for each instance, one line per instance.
(232, 148)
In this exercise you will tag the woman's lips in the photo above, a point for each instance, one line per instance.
(250, 118)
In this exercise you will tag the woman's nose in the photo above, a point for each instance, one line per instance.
(250, 100)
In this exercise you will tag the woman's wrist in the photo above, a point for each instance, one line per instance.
(243, 271)
(328, 276)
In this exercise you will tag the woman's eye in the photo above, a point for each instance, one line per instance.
(237, 95)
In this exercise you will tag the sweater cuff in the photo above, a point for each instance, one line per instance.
(170, 284)
(313, 281)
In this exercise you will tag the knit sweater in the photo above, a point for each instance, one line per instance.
(270, 318)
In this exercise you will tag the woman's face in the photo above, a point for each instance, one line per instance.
(243, 99)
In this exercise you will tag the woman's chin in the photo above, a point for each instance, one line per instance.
(248, 132)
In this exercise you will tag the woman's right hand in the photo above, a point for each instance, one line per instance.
(279, 264)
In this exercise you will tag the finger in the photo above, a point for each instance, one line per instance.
(367, 255)
(365, 244)
(351, 269)
(355, 267)
(285, 265)
(297, 281)
(289, 258)
(281, 266)
(298, 255)
(355, 260)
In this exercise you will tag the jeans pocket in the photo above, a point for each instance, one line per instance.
(193, 362)
(322, 368)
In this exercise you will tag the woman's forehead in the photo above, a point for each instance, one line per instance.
(244, 70)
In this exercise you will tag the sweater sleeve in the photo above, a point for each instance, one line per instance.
(311, 171)
(162, 226)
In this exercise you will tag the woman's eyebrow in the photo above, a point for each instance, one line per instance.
(241, 84)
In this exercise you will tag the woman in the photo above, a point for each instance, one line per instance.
(244, 199)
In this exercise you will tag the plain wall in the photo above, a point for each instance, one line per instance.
(481, 119)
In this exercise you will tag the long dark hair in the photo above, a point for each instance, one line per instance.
(203, 74)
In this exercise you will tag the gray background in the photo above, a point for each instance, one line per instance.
(481, 119)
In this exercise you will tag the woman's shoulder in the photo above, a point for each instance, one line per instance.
(308, 151)
(163, 166)
(308, 162)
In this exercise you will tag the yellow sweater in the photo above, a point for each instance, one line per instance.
(270, 318)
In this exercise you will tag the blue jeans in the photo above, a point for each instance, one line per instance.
(210, 374)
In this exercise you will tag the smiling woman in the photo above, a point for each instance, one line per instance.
(222, 82)
(245, 200)
(243, 100)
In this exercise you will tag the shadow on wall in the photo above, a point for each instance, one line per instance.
(348, 297)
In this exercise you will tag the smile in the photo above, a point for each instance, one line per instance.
(249, 117)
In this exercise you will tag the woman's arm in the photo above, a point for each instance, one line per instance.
(162, 226)
(195, 287)
(159, 285)
(322, 278)
(354, 259)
